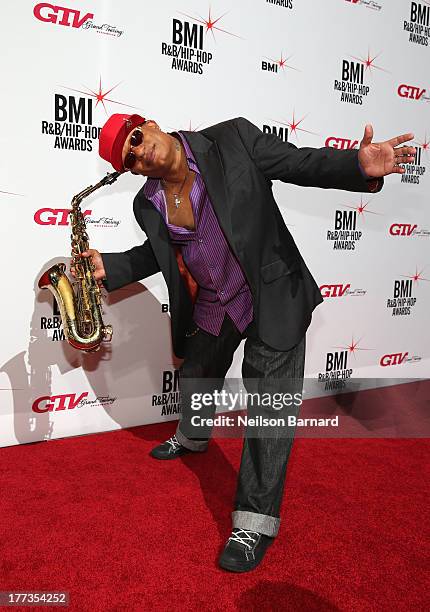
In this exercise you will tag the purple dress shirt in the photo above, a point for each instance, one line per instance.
(206, 253)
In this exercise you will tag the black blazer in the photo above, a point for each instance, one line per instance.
(238, 163)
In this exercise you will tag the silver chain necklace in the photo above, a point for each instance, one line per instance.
(177, 197)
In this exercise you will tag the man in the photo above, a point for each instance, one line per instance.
(210, 219)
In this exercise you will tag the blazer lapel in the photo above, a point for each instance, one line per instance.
(154, 227)
(209, 162)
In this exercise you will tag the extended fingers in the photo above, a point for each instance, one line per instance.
(405, 151)
(400, 139)
(403, 155)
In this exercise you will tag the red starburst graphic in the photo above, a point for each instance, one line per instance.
(362, 208)
(210, 23)
(100, 95)
(425, 145)
(369, 62)
(353, 346)
(417, 276)
(294, 126)
(282, 63)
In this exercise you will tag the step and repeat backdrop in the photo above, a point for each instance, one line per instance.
(313, 73)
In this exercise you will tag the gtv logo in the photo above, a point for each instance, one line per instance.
(410, 91)
(50, 13)
(393, 359)
(334, 290)
(340, 143)
(52, 403)
(402, 229)
(55, 216)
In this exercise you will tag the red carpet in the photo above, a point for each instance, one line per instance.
(97, 517)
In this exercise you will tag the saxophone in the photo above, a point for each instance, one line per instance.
(81, 311)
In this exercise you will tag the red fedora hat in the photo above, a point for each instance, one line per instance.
(113, 136)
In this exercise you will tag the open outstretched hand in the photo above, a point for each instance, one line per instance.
(381, 158)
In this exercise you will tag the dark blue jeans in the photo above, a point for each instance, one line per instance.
(265, 450)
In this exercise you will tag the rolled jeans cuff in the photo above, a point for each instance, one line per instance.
(262, 523)
(192, 445)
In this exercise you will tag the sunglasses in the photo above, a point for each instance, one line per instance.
(135, 140)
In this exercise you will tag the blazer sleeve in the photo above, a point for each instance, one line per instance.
(129, 267)
(306, 166)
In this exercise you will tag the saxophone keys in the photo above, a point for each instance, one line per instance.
(107, 333)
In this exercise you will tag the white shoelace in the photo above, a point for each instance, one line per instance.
(173, 441)
(241, 535)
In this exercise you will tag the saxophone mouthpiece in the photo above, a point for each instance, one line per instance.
(111, 178)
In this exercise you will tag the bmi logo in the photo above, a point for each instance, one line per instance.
(351, 84)
(73, 125)
(287, 128)
(345, 233)
(338, 365)
(280, 132)
(276, 66)
(187, 45)
(418, 23)
(169, 399)
(403, 299)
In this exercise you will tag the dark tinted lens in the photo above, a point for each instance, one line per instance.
(129, 160)
(136, 138)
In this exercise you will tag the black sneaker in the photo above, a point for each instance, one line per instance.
(244, 550)
(171, 449)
